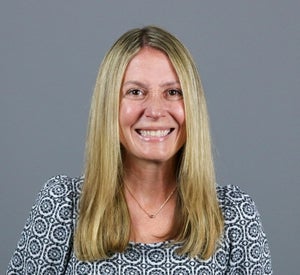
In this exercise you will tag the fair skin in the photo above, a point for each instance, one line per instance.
(152, 130)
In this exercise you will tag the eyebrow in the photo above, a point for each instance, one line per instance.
(170, 83)
(138, 83)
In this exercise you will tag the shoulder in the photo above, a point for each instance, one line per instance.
(241, 217)
(46, 240)
(57, 200)
(231, 193)
(237, 206)
(244, 237)
(61, 186)
(233, 196)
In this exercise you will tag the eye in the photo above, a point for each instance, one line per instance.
(174, 94)
(135, 93)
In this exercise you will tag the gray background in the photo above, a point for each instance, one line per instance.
(248, 54)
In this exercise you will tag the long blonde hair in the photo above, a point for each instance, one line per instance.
(104, 224)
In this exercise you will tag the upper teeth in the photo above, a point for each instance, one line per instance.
(158, 133)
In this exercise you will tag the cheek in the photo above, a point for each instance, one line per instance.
(180, 117)
(128, 115)
(124, 114)
(180, 114)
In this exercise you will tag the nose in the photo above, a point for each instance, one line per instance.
(155, 107)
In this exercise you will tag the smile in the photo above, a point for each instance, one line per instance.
(154, 133)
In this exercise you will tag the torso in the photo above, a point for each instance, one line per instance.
(46, 246)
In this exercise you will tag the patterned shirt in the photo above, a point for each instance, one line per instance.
(46, 243)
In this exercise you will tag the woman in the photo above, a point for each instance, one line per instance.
(147, 203)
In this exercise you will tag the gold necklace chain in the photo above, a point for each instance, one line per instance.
(151, 216)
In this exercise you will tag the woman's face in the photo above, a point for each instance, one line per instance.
(152, 119)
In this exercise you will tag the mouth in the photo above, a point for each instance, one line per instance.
(154, 133)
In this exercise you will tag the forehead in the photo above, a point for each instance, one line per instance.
(150, 63)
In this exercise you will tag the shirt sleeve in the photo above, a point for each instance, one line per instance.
(46, 240)
(249, 251)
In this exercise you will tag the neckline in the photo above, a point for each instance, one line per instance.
(155, 244)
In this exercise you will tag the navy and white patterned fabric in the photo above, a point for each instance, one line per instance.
(46, 244)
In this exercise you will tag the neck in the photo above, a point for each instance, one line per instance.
(148, 178)
(150, 193)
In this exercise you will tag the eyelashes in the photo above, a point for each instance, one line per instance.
(139, 94)
(175, 92)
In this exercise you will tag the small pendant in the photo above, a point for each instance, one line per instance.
(151, 216)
